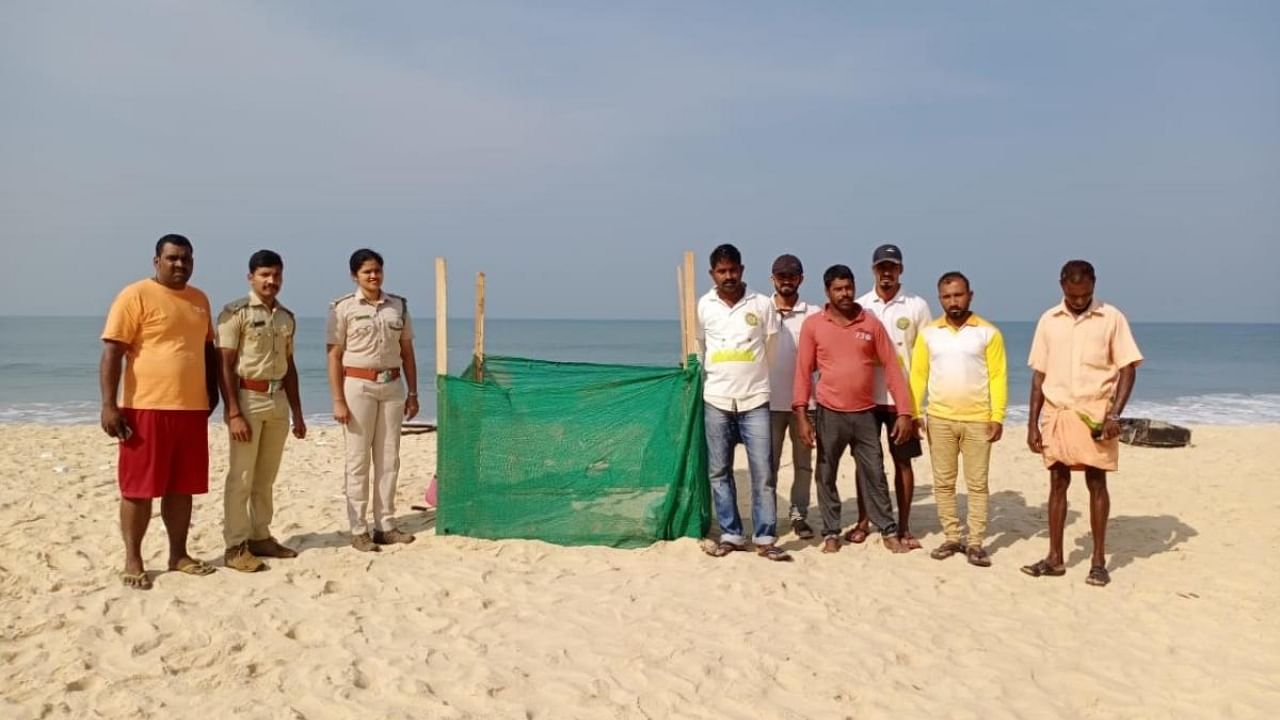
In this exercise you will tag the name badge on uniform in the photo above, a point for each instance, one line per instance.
(257, 323)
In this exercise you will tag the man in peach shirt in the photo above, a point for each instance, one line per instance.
(159, 337)
(1084, 362)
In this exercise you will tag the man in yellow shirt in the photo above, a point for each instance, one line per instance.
(1084, 362)
(959, 360)
(159, 336)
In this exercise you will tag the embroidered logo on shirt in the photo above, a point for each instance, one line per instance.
(733, 355)
(903, 323)
(752, 319)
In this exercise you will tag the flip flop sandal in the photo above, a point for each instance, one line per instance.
(1098, 576)
(831, 545)
(1042, 567)
(857, 536)
(192, 566)
(774, 553)
(722, 549)
(138, 581)
(946, 550)
(978, 557)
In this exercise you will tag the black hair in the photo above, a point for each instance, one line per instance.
(1077, 271)
(836, 272)
(953, 275)
(725, 252)
(362, 256)
(172, 239)
(265, 258)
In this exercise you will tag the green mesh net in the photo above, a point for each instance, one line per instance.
(572, 453)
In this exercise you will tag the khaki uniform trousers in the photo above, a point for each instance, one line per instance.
(948, 440)
(247, 503)
(377, 411)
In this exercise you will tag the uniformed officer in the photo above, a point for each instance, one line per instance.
(260, 387)
(370, 345)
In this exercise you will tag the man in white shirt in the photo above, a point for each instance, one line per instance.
(903, 315)
(788, 275)
(735, 329)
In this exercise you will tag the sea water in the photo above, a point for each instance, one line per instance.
(1194, 373)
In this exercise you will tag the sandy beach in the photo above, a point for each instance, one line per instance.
(461, 628)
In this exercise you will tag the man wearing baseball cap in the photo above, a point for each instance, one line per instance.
(903, 315)
(788, 275)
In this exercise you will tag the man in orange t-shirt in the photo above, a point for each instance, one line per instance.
(159, 335)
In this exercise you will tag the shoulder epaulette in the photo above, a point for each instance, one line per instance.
(335, 301)
(236, 305)
(403, 303)
(286, 310)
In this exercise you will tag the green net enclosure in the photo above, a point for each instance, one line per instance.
(572, 453)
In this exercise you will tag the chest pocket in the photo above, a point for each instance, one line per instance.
(1095, 345)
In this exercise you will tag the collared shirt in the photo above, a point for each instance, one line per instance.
(369, 331)
(165, 332)
(261, 335)
(846, 357)
(1081, 357)
(963, 369)
(782, 361)
(733, 341)
(902, 316)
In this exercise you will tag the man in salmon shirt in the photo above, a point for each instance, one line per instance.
(845, 343)
(159, 336)
(1084, 362)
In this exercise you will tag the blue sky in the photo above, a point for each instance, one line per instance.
(572, 151)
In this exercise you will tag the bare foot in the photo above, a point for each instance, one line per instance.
(831, 544)
(909, 541)
(894, 544)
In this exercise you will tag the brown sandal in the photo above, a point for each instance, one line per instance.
(1042, 567)
(773, 552)
(946, 550)
(723, 548)
(978, 556)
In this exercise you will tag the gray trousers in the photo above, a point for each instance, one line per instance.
(836, 431)
(784, 423)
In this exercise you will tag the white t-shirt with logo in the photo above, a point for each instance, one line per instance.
(734, 345)
(782, 361)
(903, 316)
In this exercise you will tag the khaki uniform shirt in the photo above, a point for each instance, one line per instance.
(369, 332)
(262, 337)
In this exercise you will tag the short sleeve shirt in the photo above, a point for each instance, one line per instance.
(164, 332)
(1081, 357)
(902, 316)
(369, 332)
(735, 339)
(782, 363)
(261, 335)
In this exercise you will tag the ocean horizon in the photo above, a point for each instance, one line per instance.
(1194, 373)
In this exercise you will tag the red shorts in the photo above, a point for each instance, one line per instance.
(167, 453)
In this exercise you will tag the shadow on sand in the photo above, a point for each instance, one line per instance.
(412, 523)
(1131, 537)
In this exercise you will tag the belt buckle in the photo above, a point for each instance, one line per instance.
(273, 386)
(383, 376)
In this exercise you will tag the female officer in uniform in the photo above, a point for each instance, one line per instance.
(369, 339)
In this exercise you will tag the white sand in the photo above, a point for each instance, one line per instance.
(459, 628)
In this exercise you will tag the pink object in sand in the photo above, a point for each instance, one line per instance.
(431, 492)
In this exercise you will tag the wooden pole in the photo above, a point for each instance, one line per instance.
(479, 359)
(690, 305)
(442, 318)
(684, 331)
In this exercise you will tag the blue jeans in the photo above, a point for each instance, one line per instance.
(751, 428)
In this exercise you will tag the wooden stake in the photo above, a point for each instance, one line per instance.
(479, 359)
(690, 305)
(442, 318)
(684, 333)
